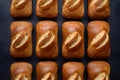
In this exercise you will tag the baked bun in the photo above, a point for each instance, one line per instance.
(46, 71)
(73, 71)
(73, 9)
(47, 41)
(47, 8)
(21, 71)
(73, 40)
(21, 39)
(98, 70)
(98, 9)
(98, 40)
(21, 8)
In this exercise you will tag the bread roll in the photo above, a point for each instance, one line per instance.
(98, 70)
(46, 39)
(46, 71)
(73, 40)
(98, 40)
(47, 8)
(73, 9)
(98, 9)
(21, 8)
(73, 71)
(21, 71)
(21, 39)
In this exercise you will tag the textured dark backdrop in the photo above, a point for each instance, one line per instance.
(6, 60)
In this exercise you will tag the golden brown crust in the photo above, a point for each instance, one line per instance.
(47, 41)
(73, 71)
(46, 70)
(73, 40)
(73, 9)
(98, 40)
(95, 68)
(21, 71)
(47, 8)
(98, 9)
(21, 8)
(21, 39)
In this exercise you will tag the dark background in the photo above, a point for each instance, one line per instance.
(6, 60)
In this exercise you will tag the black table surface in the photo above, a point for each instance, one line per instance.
(6, 60)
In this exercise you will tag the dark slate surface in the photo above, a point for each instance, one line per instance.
(6, 60)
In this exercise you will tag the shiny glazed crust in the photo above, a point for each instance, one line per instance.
(47, 8)
(95, 68)
(21, 39)
(73, 71)
(46, 70)
(98, 9)
(73, 40)
(98, 40)
(21, 8)
(21, 71)
(46, 39)
(73, 9)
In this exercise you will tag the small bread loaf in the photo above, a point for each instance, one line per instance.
(21, 8)
(47, 42)
(21, 39)
(98, 70)
(46, 71)
(98, 9)
(73, 40)
(21, 71)
(47, 8)
(98, 40)
(73, 9)
(73, 71)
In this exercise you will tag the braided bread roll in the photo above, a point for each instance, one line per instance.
(21, 8)
(73, 71)
(73, 40)
(47, 42)
(73, 9)
(98, 40)
(21, 39)
(98, 70)
(47, 8)
(21, 71)
(98, 9)
(46, 71)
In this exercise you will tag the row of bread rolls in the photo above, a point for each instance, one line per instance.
(97, 70)
(97, 9)
(72, 39)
